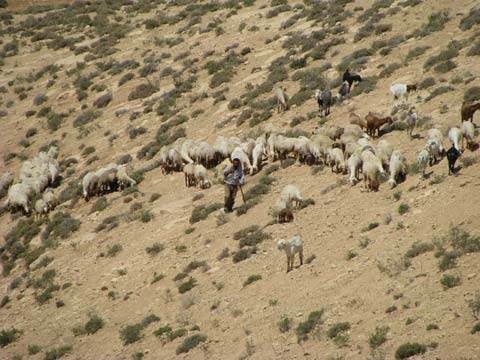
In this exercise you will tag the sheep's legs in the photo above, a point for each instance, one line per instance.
(301, 258)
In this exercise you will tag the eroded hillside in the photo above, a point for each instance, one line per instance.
(158, 270)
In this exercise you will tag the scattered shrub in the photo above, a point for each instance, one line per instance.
(190, 343)
(378, 337)
(306, 327)
(409, 349)
(450, 281)
(252, 279)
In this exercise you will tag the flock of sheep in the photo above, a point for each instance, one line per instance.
(36, 176)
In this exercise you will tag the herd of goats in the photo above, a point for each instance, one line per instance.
(345, 150)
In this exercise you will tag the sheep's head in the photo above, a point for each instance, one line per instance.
(392, 183)
(281, 244)
(207, 184)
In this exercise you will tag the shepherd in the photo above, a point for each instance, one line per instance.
(234, 178)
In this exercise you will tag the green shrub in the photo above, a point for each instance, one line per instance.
(58, 353)
(131, 333)
(190, 343)
(476, 328)
(94, 324)
(371, 226)
(416, 52)
(285, 324)
(251, 279)
(378, 337)
(409, 349)
(187, 286)
(155, 249)
(8, 336)
(472, 94)
(62, 225)
(432, 327)
(99, 205)
(426, 83)
(306, 327)
(201, 212)
(450, 281)
(113, 250)
(419, 248)
(436, 22)
(472, 19)
(337, 329)
(33, 349)
(445, 67)
(243, 254)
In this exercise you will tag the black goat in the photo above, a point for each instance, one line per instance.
(452, 156)
(351, 78)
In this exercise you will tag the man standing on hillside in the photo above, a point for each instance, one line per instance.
(234, 178)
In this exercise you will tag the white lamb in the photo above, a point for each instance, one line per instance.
(434, 150)
(336, 159)
(372, 170)
(411, 121)
(436, 134)
(383, 151)
(290, 194)
(41, 209)
(398, 167)
(291, 247)
(201, 176)
(468, 131)
(401, 91)
(455, 136)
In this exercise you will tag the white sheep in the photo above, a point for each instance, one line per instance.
(123, 178)
(238, 153)
(336, 159)
(291, 247)
(372, 170)
(436, 135)
(455, 136)
(398, 167)
(257, 155)
(189, 171)
(342, 92)
(290, 194)
(201, 176)
(18, 196)
(41, 209)
(383, 151)
(174, 160)
(422, 160)
(354, 164)
(468, 131)
(434, 150)
(50, 199)
(401, 91)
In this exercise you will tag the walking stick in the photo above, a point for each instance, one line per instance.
(243, 195)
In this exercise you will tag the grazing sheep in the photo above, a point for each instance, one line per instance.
(324, 100)
(41, 209)
(435, 151)
(52, 152)
(468, 132)
(422, 160)
(174, 160)
(468, 109)
(189, 170)
(5, 181)
(334, 132)
(285, 215)
(350, 148)
(123, 179)
(354, 163)
(398, 167)
(319, 145)
(107, 180)
(343, 91)
(18, 196)
(291, 194)
(357, 120)
(384, 151)
(291, 247)
(238, 153)
(350, 78)
(372, 170)
(411, 121)
(401, 91)
(49, 197)
(374, 123)
(90, 185)
(282, 105)
(452, 155)
(336, 159)
(436, 135)
(201, 177)
(455, 136)
(257, 156)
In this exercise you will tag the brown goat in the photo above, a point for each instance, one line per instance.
(285, 215)
(468, 109)
(374, 123)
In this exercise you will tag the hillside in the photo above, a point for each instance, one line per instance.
(158, 270)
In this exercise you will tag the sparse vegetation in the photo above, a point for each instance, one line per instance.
(305, 328)
(408, 350)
